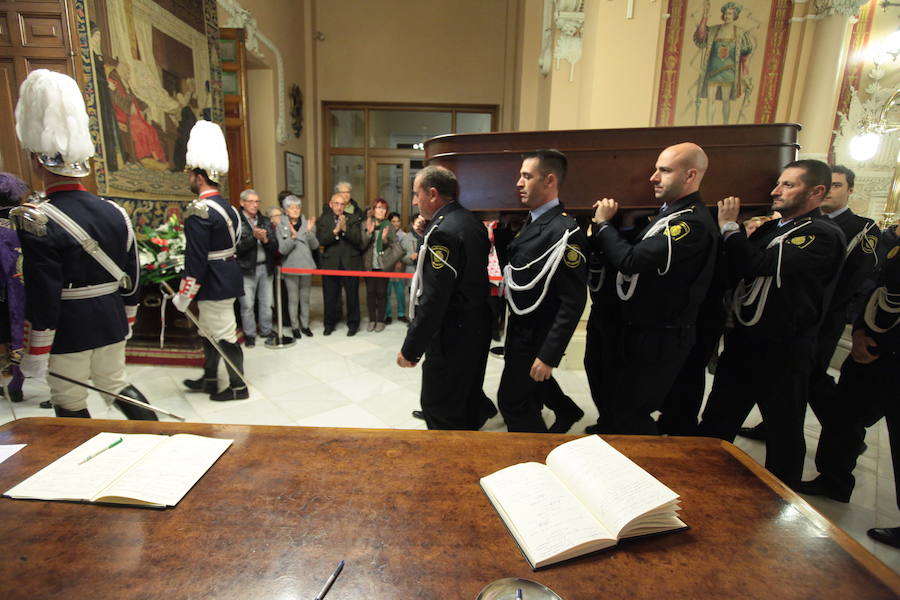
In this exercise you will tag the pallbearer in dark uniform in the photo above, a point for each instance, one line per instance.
(449, 304)
(660, 276)
(867, 390)
(80, 259)
(787, 270)
(545, 288)
(211, 272)
(861, 260)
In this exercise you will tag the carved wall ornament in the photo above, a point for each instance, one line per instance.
(241, 18)
(844, 8)
(569, 20)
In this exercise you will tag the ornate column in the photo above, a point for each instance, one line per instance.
(823, 74)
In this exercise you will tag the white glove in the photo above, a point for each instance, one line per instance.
(35, 365)
(181, 301)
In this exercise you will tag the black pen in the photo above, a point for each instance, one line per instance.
(330, 582)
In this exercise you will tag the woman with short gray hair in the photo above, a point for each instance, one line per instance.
(296, 242)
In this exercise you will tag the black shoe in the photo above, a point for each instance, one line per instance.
(45, 404)
(307, 332)
(328, 331)
(249, 341)
(403, 319)
(819, 487)
(418, 414)
(296, 333)
(387, 321)
(497, 351)
(16, 395)
(595, 429)
(757, 432)
(206, 385)
(564, 423)
(270, 336)
(78, 414)
(488, 412)
(352, 331)
(231, 393)
(886, 535)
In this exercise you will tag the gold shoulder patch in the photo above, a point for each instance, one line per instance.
(439, 256)
(801, 241)
(869, 243)
(678, 230)
(893, 253)
(196, 208)
(572, 256)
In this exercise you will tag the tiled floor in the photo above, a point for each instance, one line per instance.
(338, 381)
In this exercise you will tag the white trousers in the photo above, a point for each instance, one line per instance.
(217, 319)
(103, 366)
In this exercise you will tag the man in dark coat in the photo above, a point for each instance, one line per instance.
(340, 240)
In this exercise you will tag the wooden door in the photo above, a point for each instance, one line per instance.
(237, 121)
(33, 35)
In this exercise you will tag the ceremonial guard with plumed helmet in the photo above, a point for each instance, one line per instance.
(80, 260)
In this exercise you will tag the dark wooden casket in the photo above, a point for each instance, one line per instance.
(744, 161)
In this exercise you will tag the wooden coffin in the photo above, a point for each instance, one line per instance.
(744, 161)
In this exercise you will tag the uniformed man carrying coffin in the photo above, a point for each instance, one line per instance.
(211, 272)
(81, 264)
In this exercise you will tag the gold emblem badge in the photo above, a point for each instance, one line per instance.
(869, 243)
(678, 230)
(439, 256)
(893, 252)
(802, 241)
(572, 255)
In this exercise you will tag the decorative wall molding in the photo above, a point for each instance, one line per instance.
(569, 20)
(843, 8)
(241, 18)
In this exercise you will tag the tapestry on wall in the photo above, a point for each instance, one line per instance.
(152, 69)
(722, 62)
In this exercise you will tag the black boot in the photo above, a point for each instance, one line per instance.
(208, 383)
(236, 389)
(78, 414)
(132, 411)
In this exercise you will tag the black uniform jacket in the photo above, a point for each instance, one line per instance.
(341, 251)
(674, 298)
(889, 278)
(54, 261)
(860, 263)
(811, 260)
(453, 291)
(549, 327)
(246, 246)
(219, 279)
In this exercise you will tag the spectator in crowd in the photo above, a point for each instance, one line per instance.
(399, 288)
(339, 237)
(381, 253)
(296, 243)
(256, 257)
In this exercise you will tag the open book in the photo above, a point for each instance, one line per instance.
(587, 498)
(142, 470)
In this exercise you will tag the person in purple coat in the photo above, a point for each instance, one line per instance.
(12, 288)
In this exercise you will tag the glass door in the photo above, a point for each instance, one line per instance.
(388, 179)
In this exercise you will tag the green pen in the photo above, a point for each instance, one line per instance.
(101, 451)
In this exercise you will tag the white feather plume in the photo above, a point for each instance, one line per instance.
(206, 148)
(51, 118)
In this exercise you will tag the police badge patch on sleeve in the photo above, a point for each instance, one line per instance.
(801, 241)
(439, 256)
(678, 230)
(893, 252)
(572, 256)
(869, 243)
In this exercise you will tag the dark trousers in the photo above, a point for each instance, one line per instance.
(865, 393)
(774, 374)
(823, 396)
(681, 407)
(521, 398)
(453, 373)
(599, 363)
(331, 290)
(647, 362)
(376, 298)
(497, 305)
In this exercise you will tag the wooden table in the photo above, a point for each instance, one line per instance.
(283, 505)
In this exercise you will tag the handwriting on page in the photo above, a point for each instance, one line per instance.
(548, 518)
(615, 489)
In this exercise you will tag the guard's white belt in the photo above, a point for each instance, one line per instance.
(220, 254)
(90, 291)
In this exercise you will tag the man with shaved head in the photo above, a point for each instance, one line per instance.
(656, 281)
